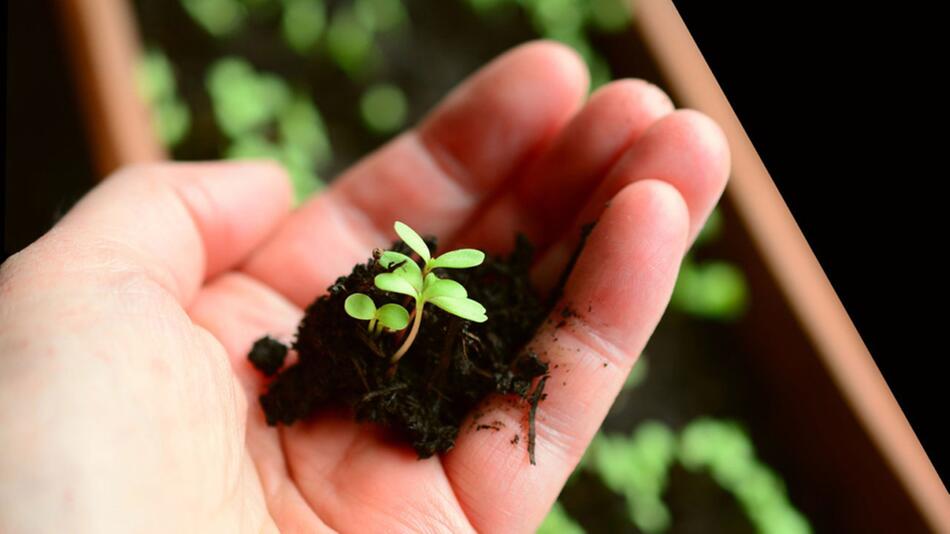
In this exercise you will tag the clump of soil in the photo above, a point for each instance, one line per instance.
(452, 366)
(268, 355)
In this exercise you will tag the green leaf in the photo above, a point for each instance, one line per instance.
(459, 259)
(443, 287)
(360, 306)
(409, 270)
(463, 307)
(393, 316)
(413, 277)
(396, 283)
(411, 238)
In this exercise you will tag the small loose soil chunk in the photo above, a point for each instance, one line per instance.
(452, 366)
(267, 355)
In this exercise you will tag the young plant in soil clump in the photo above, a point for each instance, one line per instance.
(404, 345)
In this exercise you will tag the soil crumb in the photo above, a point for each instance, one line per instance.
(267, 355)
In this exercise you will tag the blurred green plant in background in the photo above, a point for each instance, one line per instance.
(263, 118)
(354, 28)
(259, 114)
(637, 466)
(724, 450)
(383, 108)
(382, 15)
(246, 103)
(156, 83)
(570, 22)
(302, 24)
(219, 17)
(711, 289)
(350, 41)
(559, 522)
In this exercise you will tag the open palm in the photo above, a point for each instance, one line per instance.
(123, 329)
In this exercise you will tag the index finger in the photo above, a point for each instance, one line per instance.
(435, 177)
(613, 301)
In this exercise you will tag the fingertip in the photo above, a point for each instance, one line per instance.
(655, 205)
(709, 147)
(625, 275)
(616, 296)
(637, 93)
(698, 129)
(688, 150)
(611, 121)
(645, 218)
(263, 180)
(562, 61)
(501, 117)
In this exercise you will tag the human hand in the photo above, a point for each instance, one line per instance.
(126, 399)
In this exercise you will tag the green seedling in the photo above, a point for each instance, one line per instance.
(424, 286)
(392, 317)
(420, 283)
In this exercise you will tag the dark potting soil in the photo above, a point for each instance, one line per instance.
(451, 367)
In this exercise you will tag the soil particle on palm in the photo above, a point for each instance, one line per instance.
(267, 355)
(452, 366)
(494, 425)
(536, 398)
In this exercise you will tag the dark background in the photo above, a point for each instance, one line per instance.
(833, 98)
(47, 163)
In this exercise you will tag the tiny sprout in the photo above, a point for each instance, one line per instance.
(392, 317)
(420, 283)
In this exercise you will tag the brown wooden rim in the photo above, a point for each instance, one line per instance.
(794, 266)
(104, 45)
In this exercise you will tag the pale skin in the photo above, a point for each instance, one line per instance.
(127, 403)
